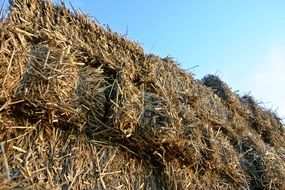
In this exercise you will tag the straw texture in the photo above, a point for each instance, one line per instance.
(82, 107)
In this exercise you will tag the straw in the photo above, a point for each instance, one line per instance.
(82, 107)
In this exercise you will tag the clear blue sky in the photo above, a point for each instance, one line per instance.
(243, 41)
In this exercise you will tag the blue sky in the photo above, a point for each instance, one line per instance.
(241, 41)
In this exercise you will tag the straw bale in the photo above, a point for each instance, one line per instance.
(221, 89)
(82, 107)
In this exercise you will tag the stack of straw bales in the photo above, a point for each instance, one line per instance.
(81, 107)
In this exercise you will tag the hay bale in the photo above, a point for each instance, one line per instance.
(220, 88)
(82, 107)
